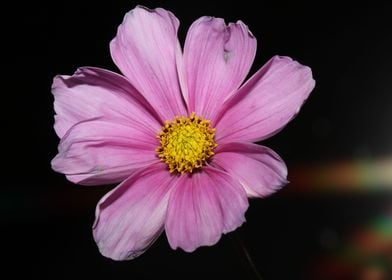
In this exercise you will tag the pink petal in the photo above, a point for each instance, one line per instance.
(131, 217)
(266, 103)
(217, 59)
(94, 92)
(259, 169)
(146, 50)
(202, 206)
(101, 151)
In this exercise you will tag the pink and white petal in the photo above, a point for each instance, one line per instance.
(94, 92)
(146, 50)
(217, 59)
(202, 206)
(259, 169)
(131, 217)
(100, 151)
(265, 103)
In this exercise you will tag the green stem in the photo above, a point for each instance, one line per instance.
(245, 257)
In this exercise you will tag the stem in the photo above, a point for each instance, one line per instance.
(245, 256)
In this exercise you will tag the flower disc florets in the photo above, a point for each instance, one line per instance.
(186, 143)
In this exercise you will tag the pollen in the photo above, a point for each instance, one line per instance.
(186, 143)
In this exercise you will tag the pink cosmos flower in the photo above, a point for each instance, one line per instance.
(176, 130)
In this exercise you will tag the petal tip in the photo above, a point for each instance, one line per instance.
(191, 247)
(54, 163)
(282, 58)
(58, 81)
(117, 256)
(243, 26)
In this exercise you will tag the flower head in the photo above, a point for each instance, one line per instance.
(176, 129)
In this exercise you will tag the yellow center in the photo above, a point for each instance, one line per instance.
(186, 143)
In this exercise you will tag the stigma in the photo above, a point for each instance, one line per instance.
(186, 143)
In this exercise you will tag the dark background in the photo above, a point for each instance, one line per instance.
(309, 230)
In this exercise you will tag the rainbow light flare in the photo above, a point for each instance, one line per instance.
(343, 176)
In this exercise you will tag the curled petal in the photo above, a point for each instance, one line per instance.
(100, 151)
(265, 103)
(259, 169)
(202, 206)
(146, 50)
(94, 92)
(217, 59)
(131, 217)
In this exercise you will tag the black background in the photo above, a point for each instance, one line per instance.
(46, 221)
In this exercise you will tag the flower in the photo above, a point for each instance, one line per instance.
(177, 131)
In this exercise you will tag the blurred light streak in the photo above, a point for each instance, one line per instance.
(343, 176)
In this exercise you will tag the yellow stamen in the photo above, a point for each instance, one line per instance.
(186, 143)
